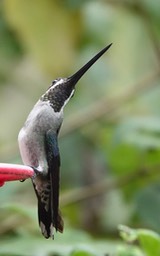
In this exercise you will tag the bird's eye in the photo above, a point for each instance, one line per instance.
(53, 83)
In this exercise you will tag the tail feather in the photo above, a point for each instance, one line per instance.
(46, 217)
(46, 221)
(47, 189)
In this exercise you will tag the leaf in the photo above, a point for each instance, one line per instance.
(128, 234)
(81, 253)
(149, 241)
(129, 250)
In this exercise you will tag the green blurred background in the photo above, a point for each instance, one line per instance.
(110, 138)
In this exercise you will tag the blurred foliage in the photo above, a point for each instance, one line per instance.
(149, 241)
(110, 139)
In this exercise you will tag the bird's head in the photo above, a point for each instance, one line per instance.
(62, 89)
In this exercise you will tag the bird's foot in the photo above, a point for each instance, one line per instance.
(36, 171)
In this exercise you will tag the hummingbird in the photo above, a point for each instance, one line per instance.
(38, 144)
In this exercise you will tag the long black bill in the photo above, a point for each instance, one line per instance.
(75, 77)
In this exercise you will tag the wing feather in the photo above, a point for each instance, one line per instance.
(53, 159)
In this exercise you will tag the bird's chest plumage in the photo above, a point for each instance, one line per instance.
(31, 138)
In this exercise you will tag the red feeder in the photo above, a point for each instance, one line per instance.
(10, 172)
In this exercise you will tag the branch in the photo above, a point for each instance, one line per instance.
(83, 193)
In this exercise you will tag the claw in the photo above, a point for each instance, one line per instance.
(36, 171)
